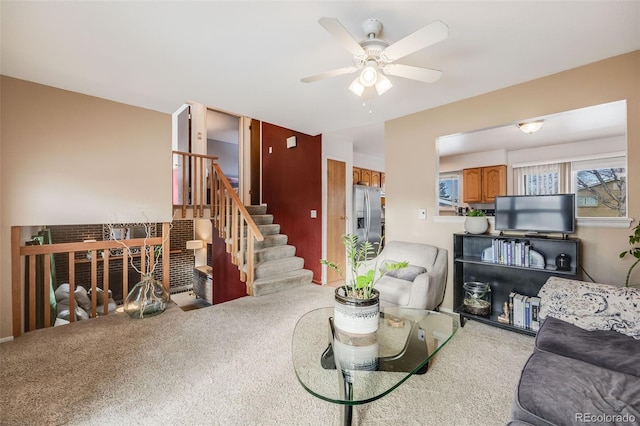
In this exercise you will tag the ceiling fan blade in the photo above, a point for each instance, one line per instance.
(425, 75)
(329, 74)
(340, 33)
(424, 37)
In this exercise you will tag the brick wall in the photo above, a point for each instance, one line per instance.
(181, 262)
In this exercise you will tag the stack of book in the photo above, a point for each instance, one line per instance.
(509, 252)
(523, 311)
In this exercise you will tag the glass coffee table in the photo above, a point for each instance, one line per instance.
(350, 369)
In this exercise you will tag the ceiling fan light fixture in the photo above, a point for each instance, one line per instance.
(368, 76)
(383, 84)
(356, 87)
(531, 127)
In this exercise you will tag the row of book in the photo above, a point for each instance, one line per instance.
(509, 252)
(524, 310)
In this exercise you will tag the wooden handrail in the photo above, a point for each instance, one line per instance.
(234, 223)
(29, 254)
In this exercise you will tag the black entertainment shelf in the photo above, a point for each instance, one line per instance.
(506, 278)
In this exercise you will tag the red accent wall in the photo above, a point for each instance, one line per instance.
(292, 187)
(226, 277)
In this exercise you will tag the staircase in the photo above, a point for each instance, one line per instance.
(267, 264)
(277, 268)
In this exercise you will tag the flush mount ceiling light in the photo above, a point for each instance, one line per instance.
(374, 58)
(531, 127)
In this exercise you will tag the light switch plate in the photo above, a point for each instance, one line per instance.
(422, 214)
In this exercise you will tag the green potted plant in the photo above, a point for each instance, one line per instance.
(356, 307)
(633, 251)
(476, 222)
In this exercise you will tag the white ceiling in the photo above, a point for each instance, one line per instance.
(596, 122)
(247, 58)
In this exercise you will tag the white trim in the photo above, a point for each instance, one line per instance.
(6, 339)
(572, 159)
(584, 222)
(174, 126)
(604, 222)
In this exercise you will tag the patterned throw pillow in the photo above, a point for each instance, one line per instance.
(592, 306)
(408, 273)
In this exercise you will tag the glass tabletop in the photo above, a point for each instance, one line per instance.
(372, 365)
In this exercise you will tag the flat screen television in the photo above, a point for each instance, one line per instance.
(536, 213)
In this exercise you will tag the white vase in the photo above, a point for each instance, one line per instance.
(476, 224)
(356, 316)
(356, 354)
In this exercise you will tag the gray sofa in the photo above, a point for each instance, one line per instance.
(419, 286)
(585, 367)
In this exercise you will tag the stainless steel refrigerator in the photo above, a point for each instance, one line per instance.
(367, 214)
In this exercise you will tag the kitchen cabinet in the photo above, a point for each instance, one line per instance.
(357, 172)
(483, 184)
(365, 177)
(368, 177)
(375, 179)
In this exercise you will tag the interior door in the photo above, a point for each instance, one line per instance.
(336, 216)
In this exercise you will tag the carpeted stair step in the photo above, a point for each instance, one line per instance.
(257, 210)
(274, 253)
(272, 268)
(262, 219)
(268, 285)
(271, 229)
(271, 241)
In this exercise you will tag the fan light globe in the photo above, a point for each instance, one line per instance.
(356, 88)
(368, 76)
(383, 84)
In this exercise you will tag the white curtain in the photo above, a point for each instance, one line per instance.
(542, 179)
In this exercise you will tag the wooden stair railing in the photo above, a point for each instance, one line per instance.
(30, 253)
(234, 223)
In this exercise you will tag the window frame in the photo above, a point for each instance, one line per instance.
(450, 176)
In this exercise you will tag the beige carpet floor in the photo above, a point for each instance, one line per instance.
(230, 364)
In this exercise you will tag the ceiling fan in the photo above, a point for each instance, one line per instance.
(375, 58)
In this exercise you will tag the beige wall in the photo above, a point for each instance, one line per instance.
(68, 158)
(410, 150)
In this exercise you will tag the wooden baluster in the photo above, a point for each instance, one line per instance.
(201, 180)
(32, 293)
(184, 186)
(143, 261)
(166, 229)
(105, 282)
(72, 287)
(47, 290)
(125, 273)
(16, 282)
(94, 283)
(234, 234)
(250, 262)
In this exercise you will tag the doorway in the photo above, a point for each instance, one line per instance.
(336, 216)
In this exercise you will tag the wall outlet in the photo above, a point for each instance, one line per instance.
(422, 214)
(314, 214)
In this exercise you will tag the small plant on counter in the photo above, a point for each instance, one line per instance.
(475, 213)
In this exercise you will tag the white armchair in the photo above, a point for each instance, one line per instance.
(419, 286)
